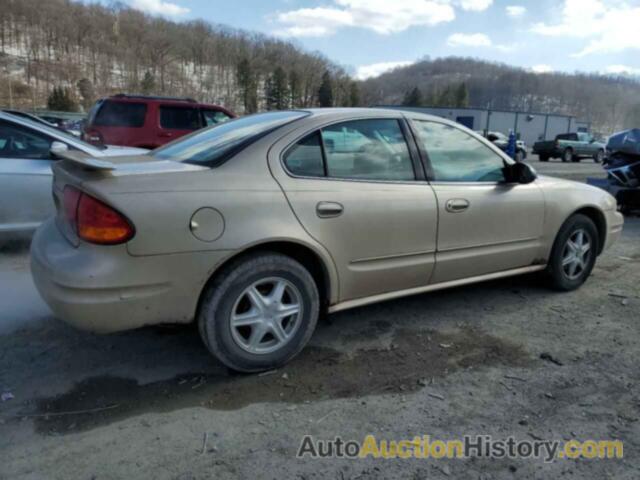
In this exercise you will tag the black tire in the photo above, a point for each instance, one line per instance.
(223, 295)
(543, 158)
(599, 157)
(567, 155)
(560, 278)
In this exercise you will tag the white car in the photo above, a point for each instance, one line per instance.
(25, 169)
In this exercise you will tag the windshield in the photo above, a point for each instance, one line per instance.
(212, 145)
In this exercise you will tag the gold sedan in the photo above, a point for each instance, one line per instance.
(254, 227)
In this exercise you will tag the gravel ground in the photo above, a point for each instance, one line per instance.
(507, 358)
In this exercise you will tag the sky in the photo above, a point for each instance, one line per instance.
(368, 37)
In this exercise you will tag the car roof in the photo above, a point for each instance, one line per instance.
(162, 100)
(338, 113)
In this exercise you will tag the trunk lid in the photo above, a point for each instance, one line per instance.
(88, 173)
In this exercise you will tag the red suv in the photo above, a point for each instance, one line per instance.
(148, 122)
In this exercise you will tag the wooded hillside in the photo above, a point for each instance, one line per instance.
(91, 50)
(95, 50)
(610, 103)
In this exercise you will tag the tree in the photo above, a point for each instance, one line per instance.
(148, 84)
(462, 96)
(446, 97)
(632, 119)
(277, 90)
(430, 99)
(86, 92)
(325, 92)
(413, 98)
(294, 88)
(61, 100)
(354, 95)
(247, 85)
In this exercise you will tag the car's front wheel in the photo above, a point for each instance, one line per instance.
(259, 312)
(574, 253)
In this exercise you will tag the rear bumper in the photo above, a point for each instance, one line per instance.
(104, 289)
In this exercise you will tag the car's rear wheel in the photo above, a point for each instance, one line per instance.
(259, 312)
(543, 158)
(599, 157)
(574, 253)
(567, 155)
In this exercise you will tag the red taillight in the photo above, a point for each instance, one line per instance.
(92, 136)
(94, 221)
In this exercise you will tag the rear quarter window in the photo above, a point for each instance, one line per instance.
(120, 114)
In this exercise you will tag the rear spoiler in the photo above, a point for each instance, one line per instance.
(90, 163)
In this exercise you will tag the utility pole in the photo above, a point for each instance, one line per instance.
(6, 68)
(10, 93)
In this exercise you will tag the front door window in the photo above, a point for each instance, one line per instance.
(456, 156)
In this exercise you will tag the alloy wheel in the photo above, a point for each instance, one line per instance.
(266, 315)
(576, 254)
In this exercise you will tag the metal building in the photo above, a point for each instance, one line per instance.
(529, 126)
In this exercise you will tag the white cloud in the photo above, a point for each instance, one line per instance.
(542, 69)
(158, 7)
(622, 70)
(477, 40)
(609, 26)
(475, 5)
(469, 40)
(314, 22)
(367, 71)
(382, 16)
(515, 11)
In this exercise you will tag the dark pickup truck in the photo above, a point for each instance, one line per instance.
(570, 147)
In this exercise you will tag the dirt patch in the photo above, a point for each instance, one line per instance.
(412, 360)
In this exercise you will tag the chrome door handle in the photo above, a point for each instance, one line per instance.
(457, 205)
(329, 209)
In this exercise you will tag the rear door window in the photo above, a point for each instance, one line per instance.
(180, 118)
(120, 114)
(367, 149)
(373, 149)
(214, 117)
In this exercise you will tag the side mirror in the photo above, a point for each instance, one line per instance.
(58, 147)
(520, 172)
